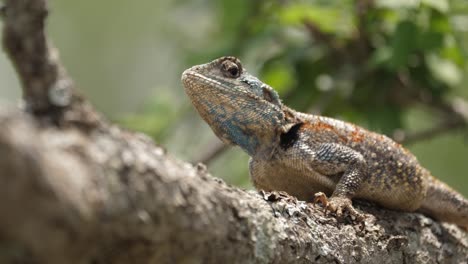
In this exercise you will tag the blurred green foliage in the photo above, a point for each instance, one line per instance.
(388, 65)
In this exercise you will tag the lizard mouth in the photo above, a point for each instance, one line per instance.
(188, 76)
(193, 81)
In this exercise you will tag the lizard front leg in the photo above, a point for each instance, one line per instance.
(332, 159)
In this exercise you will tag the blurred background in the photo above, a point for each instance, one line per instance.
(398, 67)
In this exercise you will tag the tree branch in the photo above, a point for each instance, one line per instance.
(412, 138)
(106, 195)
(115, 197)
(214, 150)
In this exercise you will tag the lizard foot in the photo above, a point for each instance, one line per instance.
(338, 205)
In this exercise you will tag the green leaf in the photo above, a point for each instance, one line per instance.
(444, 70)
(440, 23)
(439, 5)
(397, 4)
(430, 40)
(403, 44)
(379, 57)
(454, 54)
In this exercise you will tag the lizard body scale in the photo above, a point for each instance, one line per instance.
(304, 154)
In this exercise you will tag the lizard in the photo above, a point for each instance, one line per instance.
(314, 157)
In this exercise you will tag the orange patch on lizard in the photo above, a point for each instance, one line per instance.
(319, 126)
(357, 135)
(322, 126)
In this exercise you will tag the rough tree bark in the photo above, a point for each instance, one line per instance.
(75, 188)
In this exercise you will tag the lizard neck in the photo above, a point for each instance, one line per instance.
(252, 127)
(246, 139)
(262, 137)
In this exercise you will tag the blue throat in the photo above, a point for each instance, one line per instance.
(248, 142)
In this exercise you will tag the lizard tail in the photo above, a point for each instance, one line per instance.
(445, 204)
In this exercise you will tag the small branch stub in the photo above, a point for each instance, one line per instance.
(45, 82)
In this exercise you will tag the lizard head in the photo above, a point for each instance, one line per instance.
(239, 108)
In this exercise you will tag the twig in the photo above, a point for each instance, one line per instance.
(455, 116)
(216, 149)
(412, 138)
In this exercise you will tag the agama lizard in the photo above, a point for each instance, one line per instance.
(308, 155)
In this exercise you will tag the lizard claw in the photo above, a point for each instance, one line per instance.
(320, 197)
(338, 205)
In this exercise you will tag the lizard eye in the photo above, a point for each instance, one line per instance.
(231, 69)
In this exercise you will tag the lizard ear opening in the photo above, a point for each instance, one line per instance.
(270, 95)
(290, 136)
